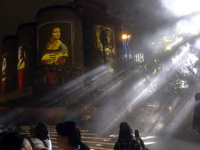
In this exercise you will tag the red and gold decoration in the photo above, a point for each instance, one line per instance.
(21, 65)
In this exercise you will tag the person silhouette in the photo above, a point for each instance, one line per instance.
(196, 115)
(126, 140)
(42, 132)
(13, 140)
(69, 136)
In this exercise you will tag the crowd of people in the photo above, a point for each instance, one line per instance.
(14, 138)
(68, 138)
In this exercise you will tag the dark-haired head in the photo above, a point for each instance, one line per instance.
(71, 131)
(125, 131)
(51, 28)
(42, 131)
(14, 141)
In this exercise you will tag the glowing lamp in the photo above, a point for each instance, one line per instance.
(126, 44)
(126, 36)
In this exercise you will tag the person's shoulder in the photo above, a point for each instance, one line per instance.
(134, 141)
(197, 106)
(133, 144)
(63, 46)
(38, 144)
(59, 42)
(127, 141)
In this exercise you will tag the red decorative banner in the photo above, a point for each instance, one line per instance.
(3, 86)
(20, 79)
